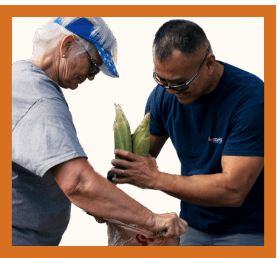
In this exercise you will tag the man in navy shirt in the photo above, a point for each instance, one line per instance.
(214, 114)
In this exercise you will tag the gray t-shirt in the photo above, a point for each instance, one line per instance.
(43, 135)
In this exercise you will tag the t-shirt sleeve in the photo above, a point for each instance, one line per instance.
(45, 137)
(155, 106)
(246, 137)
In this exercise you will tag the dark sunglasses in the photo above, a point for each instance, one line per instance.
(94, 66)
(182, 86)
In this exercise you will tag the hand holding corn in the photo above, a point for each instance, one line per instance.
(132, 151)
(139, 171)
(138, 143)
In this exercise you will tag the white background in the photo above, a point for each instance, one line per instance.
(237, 41)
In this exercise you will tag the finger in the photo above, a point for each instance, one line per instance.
(126, 154)
(121, 163)
(121, 180)
(183, 226)
(182, 229)
(173, 230)
(118, 171)
(161, 233)
(184, 223)
(179, 227)
(170, 232)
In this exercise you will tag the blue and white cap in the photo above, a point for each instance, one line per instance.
(83, 28)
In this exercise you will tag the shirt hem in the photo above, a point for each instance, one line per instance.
(238, 153)
(55, 162)
(228, 231)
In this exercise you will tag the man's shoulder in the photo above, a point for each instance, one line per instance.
(242, 84)
(240, 74)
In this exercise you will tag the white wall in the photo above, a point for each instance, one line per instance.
(237, 41)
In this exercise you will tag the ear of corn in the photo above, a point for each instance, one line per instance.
(138, 143)
(122, 133)
(141, 137)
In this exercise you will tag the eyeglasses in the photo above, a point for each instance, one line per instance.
(96, 69)
(182, 86)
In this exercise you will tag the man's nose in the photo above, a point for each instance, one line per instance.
(174, 90)
(171, 91)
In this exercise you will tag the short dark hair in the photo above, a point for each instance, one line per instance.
(183, 35)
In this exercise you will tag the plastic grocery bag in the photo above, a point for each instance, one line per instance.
(121, 234)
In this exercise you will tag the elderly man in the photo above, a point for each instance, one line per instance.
(49, 167)
(214, 114)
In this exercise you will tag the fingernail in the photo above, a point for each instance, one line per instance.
(113, 160)
(115, 151)
(112, 168)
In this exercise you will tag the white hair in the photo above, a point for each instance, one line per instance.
(52, 33)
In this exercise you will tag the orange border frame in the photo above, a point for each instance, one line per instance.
(269, 14)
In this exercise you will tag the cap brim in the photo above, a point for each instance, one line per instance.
(108, 66)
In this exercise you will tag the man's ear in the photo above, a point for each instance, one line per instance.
(67, 43)
(211, 62)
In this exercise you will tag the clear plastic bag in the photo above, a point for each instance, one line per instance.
(120, 234)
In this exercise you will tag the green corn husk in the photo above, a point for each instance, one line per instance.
(122, 132)
(141, 137)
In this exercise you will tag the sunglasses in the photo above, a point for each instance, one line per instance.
(94, 67)
(182, 86)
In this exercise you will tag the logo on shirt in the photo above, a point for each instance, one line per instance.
(215, 140)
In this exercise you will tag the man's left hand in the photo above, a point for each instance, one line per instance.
(138, 171)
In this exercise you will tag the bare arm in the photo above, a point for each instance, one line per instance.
(91, 192)
(96, 195)
(156, 144)
(226, 188)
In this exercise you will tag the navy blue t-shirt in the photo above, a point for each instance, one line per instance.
(228, 121)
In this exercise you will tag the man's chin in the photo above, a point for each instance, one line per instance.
(184, 100)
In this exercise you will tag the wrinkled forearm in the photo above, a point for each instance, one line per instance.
(101, 198)
(93, 193)
(96, 195)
